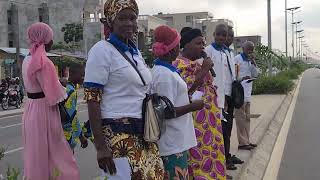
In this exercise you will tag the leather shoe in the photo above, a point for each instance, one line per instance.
(245, 147)
(253, 145)
(235, 160)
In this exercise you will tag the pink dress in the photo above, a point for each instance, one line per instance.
(47, 154)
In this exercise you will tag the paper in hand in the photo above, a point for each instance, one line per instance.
(197, 95)
(250, 80)
(123, 170)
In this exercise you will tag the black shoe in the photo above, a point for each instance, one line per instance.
(231, 166)
(253, 145)
(229, 177)
(245, 147)
(235, 160)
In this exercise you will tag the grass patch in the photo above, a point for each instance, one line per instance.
(282, 83)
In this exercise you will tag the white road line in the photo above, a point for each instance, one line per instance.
(8, 117)
(19, 124)
(277, 153)
(13, 151)
(10, 126)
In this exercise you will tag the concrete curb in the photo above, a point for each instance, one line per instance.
(16, 112)
(265, 134)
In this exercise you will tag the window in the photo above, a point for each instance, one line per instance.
(189, 19)
(9, 13)
(92, 18)
(10, 43)
(204, 28)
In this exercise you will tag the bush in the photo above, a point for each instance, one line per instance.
(278, 84)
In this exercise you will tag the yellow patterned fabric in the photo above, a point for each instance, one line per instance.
(144, 157)
(93, 94)
(207, 159)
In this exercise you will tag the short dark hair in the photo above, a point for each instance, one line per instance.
(75, 68)
(220, 26)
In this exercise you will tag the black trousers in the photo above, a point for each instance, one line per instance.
(227, 126)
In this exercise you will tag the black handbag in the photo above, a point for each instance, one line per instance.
(237, 92)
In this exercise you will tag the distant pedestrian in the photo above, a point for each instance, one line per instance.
(207, 159)
(71, 126)
(46, 152)
(246, 69)
(166, 81)
(115, 92)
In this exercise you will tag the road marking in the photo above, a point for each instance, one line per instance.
(277, 153)
(10, 126)
(8, 117)
(21, 112)
(19, 124)
(13, 151)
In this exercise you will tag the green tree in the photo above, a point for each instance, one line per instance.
(147, 51)
(73, 33)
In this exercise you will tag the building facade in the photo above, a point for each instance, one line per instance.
(238, 41)
(146, 26)
(56, 13)
(202, 20)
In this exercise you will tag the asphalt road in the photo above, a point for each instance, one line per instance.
(301, 157)
(11, 139)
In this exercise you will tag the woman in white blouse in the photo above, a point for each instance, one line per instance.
(115, 92)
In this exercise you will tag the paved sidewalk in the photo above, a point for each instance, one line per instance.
(264, 105)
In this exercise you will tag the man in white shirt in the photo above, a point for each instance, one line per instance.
(246, 69)
(230, 77)
(216, 52)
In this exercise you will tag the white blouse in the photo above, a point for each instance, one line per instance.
(123, 90)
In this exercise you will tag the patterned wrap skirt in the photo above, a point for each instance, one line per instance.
(143, 157)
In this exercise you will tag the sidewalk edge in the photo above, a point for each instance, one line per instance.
(265, 135)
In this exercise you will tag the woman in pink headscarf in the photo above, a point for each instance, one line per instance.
(46, 152)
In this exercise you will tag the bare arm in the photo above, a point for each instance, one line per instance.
(194, 106)
(205, 68)
(95, 122)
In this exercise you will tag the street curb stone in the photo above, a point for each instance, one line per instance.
(265, 135)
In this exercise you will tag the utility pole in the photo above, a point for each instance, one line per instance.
(297, 34)
(16, 32)
(286, 26)
(292, 14)
(269, 36)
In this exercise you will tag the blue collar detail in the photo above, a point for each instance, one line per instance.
(131, 47)
(217, 47)
(228, 49)
(244, 57)
(159, 62)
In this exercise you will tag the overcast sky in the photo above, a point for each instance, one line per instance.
(250, 16)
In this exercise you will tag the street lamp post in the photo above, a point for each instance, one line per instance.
(300, 42)
(296, 24)
(269, 36)
(293, 9)
(298, 34)
(286, 26)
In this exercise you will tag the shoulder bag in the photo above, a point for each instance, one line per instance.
(155, 108)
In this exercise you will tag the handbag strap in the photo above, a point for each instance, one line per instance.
(130, 61)
(229, 66)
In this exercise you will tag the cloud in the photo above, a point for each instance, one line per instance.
(172, 6)
(249, 16)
